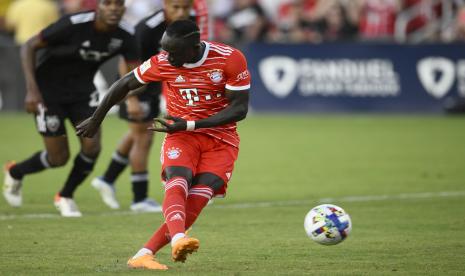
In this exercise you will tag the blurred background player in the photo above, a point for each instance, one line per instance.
(207, 93)
(61, 87)
(139, 110)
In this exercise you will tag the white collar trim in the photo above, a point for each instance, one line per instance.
(202, 60)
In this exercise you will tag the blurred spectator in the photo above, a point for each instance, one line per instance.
(246, 23)
(4, 4)
(27, 18)
(377, 18)
(335, 25)
(303, 20)
(221, 8)
(460, 25)
(73, 6)
(293, 22)
(136, 10)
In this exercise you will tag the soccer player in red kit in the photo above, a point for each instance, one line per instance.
(208, 92)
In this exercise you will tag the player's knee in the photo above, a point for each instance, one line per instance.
(58, 159)
(209, 179)
(143, 139)
(92, 151)
(172, 172)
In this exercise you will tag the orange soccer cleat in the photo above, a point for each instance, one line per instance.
(184, 246)
(146, 261)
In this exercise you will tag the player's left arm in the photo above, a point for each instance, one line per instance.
(235, 112)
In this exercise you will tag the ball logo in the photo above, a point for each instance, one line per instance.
(279, 75)
(173, 153)
(437, 75)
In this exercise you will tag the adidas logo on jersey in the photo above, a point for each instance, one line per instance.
(177, 216)
(180, 79)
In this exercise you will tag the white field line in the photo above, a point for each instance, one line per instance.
(406, 196)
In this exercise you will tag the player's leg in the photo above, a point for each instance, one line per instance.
(50, 125)
(119, 159)
(84, 160)
(139, 163)
(213, 171)
(83, 165)
(199, 195)
(105, 184)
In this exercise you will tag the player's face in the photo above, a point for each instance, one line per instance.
(177, 9)
(111, 11)
(179, 52)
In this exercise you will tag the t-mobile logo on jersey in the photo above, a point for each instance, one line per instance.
(189, 94)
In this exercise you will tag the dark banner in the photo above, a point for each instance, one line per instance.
(355, 77)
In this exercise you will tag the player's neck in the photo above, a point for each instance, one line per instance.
(199, 53)
(100, 26)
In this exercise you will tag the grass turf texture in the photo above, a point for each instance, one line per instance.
(287, 161)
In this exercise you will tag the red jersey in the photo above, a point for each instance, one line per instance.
(197, 90)
(378, 18)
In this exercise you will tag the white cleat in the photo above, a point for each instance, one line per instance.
(107, 192)
(148, 205)
(67, 207)
(12, 187)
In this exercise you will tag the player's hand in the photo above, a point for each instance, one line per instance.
(33, 100)
(87, 128)
(134, 108)
(170, 124)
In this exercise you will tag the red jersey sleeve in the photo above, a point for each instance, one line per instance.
(237, 74)
(148, 71)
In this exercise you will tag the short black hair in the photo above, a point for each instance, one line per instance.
(183, 29)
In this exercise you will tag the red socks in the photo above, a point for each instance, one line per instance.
(174, 205)
(197, 199)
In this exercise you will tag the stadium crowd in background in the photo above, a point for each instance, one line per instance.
(300, 21)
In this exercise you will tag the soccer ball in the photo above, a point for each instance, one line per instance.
(327, 224)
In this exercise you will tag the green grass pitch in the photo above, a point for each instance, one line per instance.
(401, 178)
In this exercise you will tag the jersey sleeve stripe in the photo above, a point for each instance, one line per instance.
(237, 88)
(138, 77)
(82, 17)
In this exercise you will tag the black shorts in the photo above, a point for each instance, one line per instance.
(52, 121)
(150, 103)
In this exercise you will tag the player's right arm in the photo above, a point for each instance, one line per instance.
(55, 34)
(28, 57)
(117, 92)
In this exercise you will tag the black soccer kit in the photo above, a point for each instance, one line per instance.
(66, 67)
(149, 32)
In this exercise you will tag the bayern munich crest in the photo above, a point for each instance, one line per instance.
(173, 153)
(216, 76)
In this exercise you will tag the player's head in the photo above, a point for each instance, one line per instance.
(177, 9)
(110, 12)
(182, 42)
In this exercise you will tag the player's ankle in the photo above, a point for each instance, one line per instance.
(143, 251)
(177, 237)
